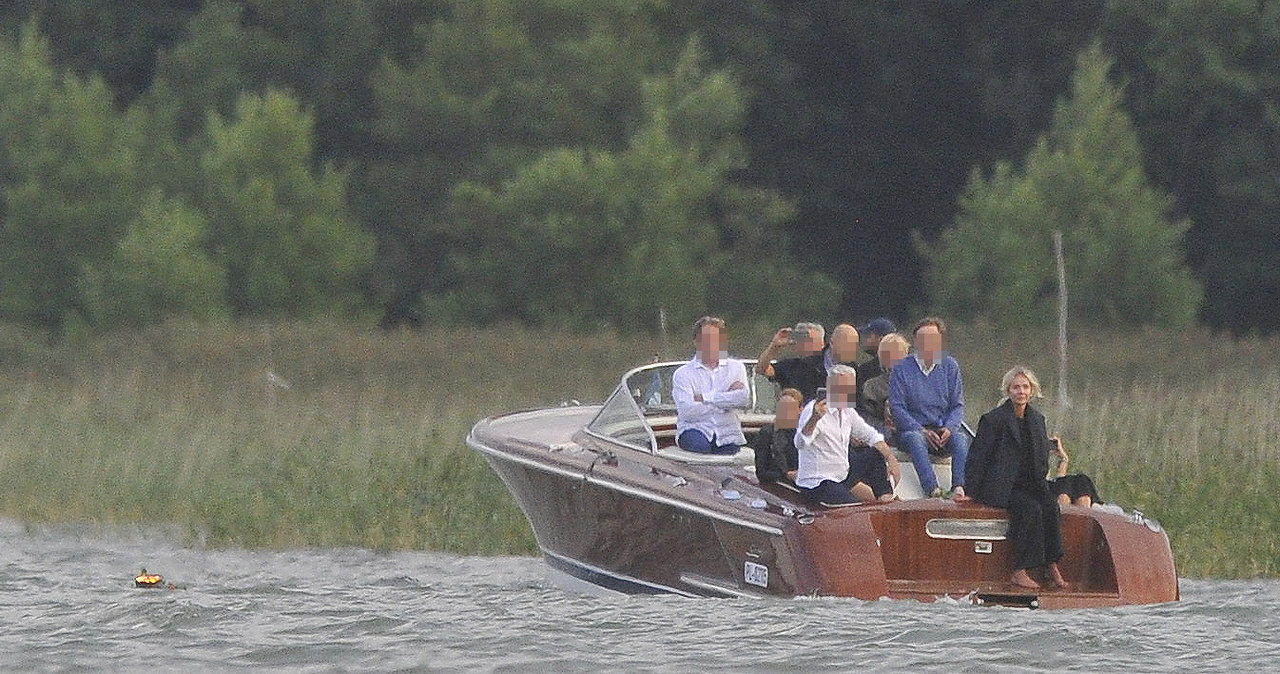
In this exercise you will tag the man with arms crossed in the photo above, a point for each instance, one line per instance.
(707, 390)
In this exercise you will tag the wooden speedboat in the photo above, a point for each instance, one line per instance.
(615, 506)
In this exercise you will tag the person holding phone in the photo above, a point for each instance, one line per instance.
(1007, 468)
(804, 371)
(829, 471)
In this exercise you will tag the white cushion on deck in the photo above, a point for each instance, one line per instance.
(745, 457)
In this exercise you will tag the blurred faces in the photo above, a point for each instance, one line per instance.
(871, 342)
(841, 390)
(844, 343)
(891, 353)
(807, 343)
(710, 342)
(929, 343)
(1019, 391)
(789, 405)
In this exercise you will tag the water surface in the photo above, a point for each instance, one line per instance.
(67, 603)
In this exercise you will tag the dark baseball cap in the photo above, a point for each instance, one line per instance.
(880, 326)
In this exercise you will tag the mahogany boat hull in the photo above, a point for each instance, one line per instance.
(637, 522)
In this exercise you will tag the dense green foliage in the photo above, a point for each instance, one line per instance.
(1084, 179)
(823, 138)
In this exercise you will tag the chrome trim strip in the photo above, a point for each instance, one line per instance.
(956, 528)
(591, 478)
(569, 561)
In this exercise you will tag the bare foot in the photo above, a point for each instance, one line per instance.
(1022, 579)
(958, 495)
(1055, 577)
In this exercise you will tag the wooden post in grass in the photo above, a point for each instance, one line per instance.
(1062, 325)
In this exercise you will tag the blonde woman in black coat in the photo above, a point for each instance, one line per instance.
(1007, 466)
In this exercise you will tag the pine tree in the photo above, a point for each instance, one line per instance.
(1085, 177)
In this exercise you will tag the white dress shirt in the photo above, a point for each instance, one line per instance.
(714, 416)
(824, 454)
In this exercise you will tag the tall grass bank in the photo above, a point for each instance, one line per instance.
(314, 434)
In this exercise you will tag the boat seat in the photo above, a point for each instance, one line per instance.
(745, 457)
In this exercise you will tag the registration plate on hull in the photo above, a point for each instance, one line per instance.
(756, 574)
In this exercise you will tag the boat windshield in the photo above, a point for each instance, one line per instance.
(644, 397)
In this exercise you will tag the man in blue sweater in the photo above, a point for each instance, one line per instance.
(926, 397)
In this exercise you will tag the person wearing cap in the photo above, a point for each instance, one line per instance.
(872, 333)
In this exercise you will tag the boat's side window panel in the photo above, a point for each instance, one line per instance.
(651, 389)
(620, 419)
(764, 394)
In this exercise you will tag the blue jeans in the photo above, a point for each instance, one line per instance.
(695, 441)
(916, 445)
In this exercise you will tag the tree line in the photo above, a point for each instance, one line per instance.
(588, 162)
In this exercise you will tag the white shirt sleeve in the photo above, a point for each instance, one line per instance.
(726, 399)
(682, 391)
(801, 439)
(863, 431)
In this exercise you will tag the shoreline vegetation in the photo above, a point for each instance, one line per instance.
(328, 434)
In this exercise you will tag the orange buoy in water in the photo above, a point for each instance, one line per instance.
(145, 579)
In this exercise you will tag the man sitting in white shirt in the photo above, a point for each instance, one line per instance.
(829, 471)
(707, 390)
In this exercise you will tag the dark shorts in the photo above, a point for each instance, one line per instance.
(1074, 486)
(829, 492)
(865, 465)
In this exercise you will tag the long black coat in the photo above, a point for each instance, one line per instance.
(996, 455)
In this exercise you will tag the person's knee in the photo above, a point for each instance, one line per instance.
(912, 440)
(693, 440)
(1063, 499)
(1085, 501)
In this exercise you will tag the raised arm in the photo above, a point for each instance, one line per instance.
(807, 428)
(1059, 451)
(764, 364)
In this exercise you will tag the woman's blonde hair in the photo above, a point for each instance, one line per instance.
(894, 339)
(1024, 371)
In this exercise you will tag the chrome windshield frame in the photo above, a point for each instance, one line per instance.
(622, 389)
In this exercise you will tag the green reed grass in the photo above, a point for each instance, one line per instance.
(179, 425)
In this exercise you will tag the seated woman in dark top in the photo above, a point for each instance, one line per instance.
(1007, 466)
(1077, 488)
(775, 444)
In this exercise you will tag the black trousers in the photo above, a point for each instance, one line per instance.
(867, 465)
(1035, 528)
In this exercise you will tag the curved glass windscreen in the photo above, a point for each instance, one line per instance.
(644, 397)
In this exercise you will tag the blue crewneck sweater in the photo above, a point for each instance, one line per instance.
(935, 400)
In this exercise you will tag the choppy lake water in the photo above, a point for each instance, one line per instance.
(67, 602)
